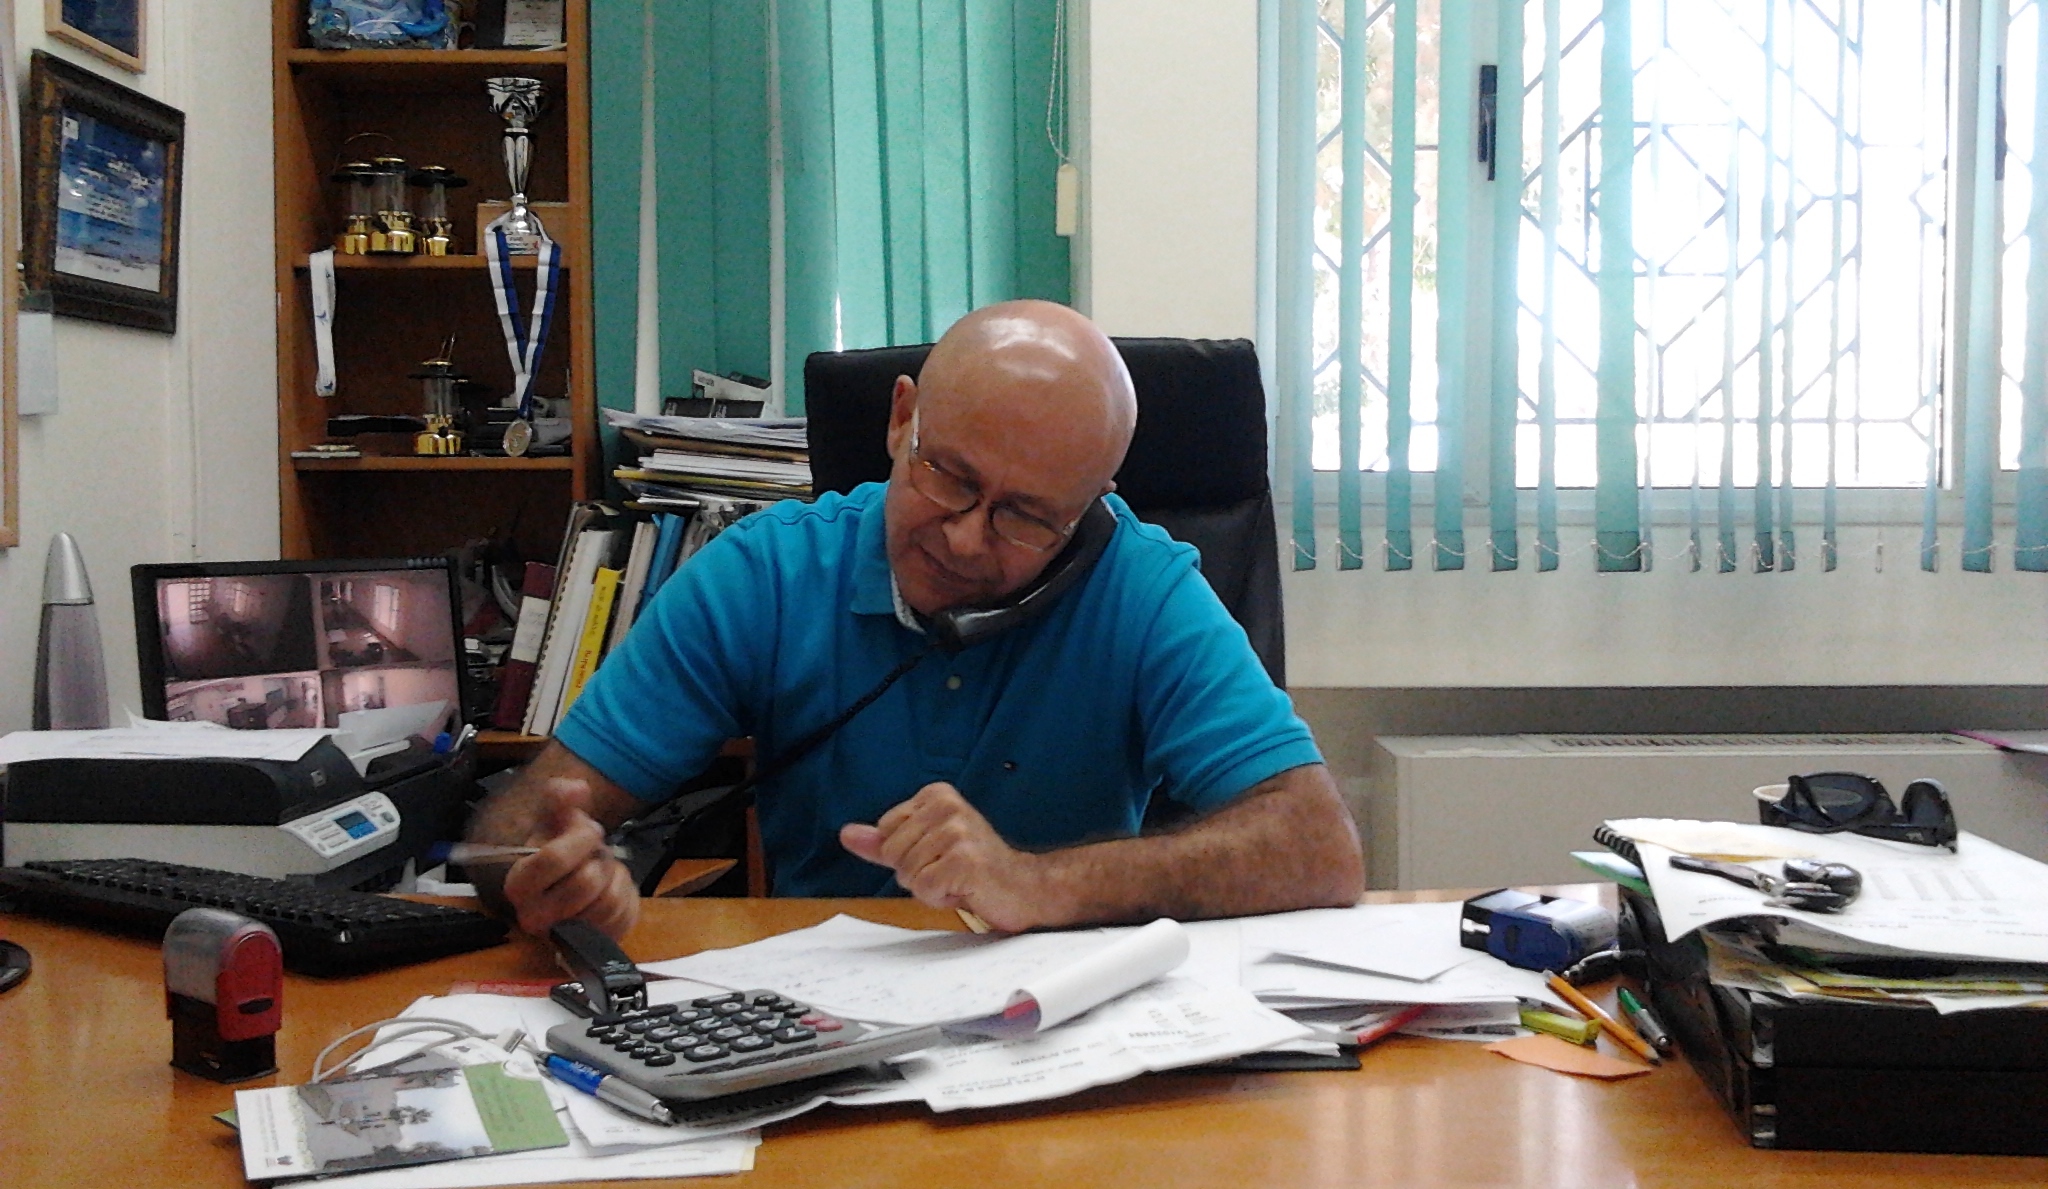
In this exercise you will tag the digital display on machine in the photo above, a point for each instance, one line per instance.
(355, 823)
(279, 649)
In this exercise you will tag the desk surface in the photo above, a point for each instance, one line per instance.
(87, 1097)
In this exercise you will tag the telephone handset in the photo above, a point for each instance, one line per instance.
(964, 627)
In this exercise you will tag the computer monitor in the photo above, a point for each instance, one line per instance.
(266, 645)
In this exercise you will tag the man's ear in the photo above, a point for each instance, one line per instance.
(902, 403)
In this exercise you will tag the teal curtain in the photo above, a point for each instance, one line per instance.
(917, 175)
(710, 108)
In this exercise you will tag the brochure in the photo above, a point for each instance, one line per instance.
(386, 1120)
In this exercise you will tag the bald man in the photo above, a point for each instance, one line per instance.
(1009, 778)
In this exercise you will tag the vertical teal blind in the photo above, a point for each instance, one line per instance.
(2025, 326)
(917, 175)
(1709, 272)
(710, 112)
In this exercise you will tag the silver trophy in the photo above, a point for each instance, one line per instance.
(520, 101)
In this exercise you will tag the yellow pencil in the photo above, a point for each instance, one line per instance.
(1614, 1028)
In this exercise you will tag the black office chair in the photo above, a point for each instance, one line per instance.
(1196, 467)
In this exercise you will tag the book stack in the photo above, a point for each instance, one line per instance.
(574, 612)
(685, 459)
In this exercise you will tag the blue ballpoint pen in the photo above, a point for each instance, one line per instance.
(606, 1088)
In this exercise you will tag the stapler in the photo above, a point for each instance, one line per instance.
(604, 981)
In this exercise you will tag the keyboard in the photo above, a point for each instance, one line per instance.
(322, 930)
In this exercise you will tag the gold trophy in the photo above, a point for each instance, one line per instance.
(437, 230)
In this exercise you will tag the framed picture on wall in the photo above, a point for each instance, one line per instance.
(110, 28)
(102, 167)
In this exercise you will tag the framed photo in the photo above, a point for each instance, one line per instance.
(102, 165)
(110, 28)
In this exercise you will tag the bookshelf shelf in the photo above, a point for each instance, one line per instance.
(455, 464)
(419, 70)
(466, 263)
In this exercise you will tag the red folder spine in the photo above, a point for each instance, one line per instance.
(515, 681)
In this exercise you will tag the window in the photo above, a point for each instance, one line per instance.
(1788, 213)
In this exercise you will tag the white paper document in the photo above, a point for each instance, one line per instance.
(784, 433)
(189, 741)
(1169, 1024)
(1409, 941)
(1282, 983)
(1982, 902)
(880, 974)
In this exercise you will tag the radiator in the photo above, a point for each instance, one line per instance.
(1447, 811)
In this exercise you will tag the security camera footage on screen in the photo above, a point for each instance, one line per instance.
(269, 651)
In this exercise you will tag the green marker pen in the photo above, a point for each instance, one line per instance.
(1645, 1021)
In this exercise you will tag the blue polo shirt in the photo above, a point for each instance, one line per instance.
(1057, 731)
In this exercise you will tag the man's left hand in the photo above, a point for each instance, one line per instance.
(948, 856)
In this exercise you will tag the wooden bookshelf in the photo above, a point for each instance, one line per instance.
(392, 312)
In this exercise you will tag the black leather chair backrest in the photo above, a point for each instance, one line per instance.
(1196, 467)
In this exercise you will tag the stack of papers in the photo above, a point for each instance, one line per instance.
(687, 458)
(1326, 962)
(1037, 1016)
(1960, 930)
(777, 433)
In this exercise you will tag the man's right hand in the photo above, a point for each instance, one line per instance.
(573, 875)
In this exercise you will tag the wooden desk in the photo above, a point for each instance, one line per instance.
(87, 1097)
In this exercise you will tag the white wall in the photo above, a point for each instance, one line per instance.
(1166, 133)
(164, 447)
(1166, 116)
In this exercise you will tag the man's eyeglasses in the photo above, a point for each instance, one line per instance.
(959, 496)
(1834, 802)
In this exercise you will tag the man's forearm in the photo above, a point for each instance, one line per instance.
(513, 816)
(1287, 843)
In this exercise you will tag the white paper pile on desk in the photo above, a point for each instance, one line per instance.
(1321, 963)
(1068, 1011)
(1960, 931)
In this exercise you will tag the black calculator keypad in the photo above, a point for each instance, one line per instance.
(731, 1043)
(754, 1025)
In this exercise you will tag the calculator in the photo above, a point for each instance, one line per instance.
(730, 1043)
(714, 1045)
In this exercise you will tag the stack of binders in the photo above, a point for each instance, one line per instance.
(573, 613)
(1915, 1019)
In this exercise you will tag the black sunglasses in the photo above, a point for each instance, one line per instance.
(1835, 802)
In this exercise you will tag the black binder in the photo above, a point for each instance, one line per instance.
(1852, 1076)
